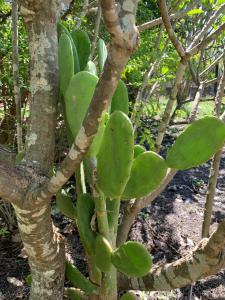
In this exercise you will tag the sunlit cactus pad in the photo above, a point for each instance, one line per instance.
(132, 259)
(103, 252)
(200, 141)
(115, 155)
(78, 98)
(147, 172)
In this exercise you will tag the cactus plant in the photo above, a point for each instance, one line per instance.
(85, 210)
(103, 252)
(197, 143)
(115, 155)
(65, 205)
(129, 296)
(120, 99)
(66, 62)
(138, 149)
(147, 172)
(83, 45)
(79, 280)
(132, 259)
(102, 54)
(91, 67)
(78, 97)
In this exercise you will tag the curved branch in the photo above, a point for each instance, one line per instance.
(169, 29)
(205, 260)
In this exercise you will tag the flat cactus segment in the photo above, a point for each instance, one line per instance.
(65, 205)
(91, 67)
(95, 146)
(85, 211)
(120, 99)
(78, 279)
(132, 259)
(78, 98)
(200, 141)
(115, 155)
(83, 45)
(75, 56)
(147, 172)
(61, 29)
(138, 149)
(74, 294)
(103, 252)
(129, 296)
(66, 63)
(102, 54)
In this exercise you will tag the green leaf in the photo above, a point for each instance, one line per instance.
(195, 11)
(197, 144)
(129, 296)
(102, 54)
(66, 62)
(120, 99)
(132, 259)
(78, 98)
(138, 149)
(85, 211)
(78, 280)
(91, 67)
(147, 172)
(83, 45)
(115, 155)
(103, 252)
(65, 205)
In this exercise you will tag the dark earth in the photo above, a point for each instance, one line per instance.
(169, 228)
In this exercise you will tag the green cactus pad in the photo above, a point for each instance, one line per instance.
(147, 172)
(66, 62)
(120, 99)
(91, 67)
(102, 54)
(83, 45)
(115, 155)
(95, 146)
(78, 98)
(65, 205)
(138, 149)
(103, 252)
(74, 294)
(85, 211)
(61, 29)
(79, 280)
(129, 296)
(132, 259)
(200, 141)
(75, 56)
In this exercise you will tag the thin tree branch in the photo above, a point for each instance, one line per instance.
(169, 29)
(206, 259)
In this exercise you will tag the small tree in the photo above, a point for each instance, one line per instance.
(122, 169)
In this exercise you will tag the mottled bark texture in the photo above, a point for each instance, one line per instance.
(42, 242)
(16, 84)
(206, 259)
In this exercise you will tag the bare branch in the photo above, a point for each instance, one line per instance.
(205, 260)
(169, 29)
(206, 41)
(159, 21)
(199, 37)
(203, 73)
